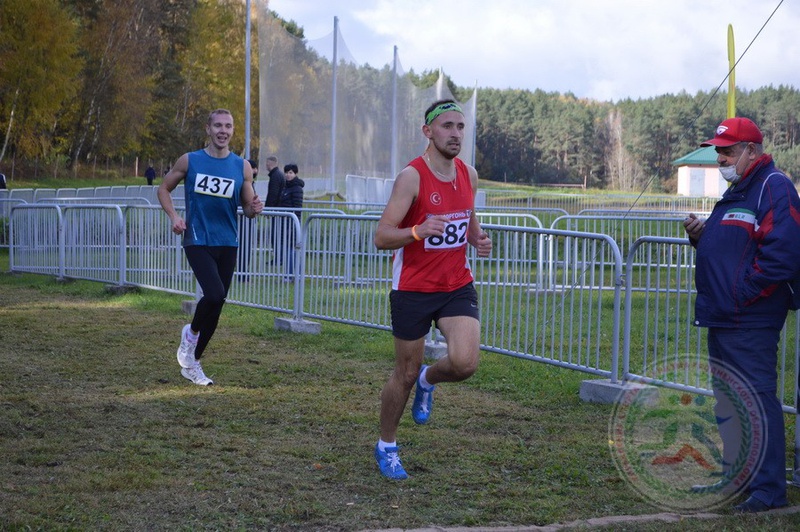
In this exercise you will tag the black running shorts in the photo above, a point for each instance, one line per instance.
(413, 312)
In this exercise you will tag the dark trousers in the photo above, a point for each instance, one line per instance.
(213, 266)
(751, 421)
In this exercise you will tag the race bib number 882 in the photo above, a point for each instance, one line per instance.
(214, 186)
(454, 237)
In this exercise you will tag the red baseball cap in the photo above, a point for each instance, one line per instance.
(735, 130)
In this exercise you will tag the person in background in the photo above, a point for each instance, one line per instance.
(217, 181)
(277, 182)
(246, 236)
(429, 220)
(150, 174)
(747, 252)
(291, 199)
(254, 166)
(3, 184)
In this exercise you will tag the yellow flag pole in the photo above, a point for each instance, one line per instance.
(731, 75)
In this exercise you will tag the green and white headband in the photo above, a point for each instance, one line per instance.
(439, 109)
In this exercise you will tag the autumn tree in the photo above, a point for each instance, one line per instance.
(119, 39)
(38, 64)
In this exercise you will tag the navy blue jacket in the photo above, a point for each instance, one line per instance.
(748, 251)
(292, 196)
(277, 181)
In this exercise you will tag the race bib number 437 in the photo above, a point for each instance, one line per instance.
(214, 186)
(454, 237)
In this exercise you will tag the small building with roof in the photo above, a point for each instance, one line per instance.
(698, 174)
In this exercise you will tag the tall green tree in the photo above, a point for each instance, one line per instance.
(118, 39)
(38, 63)
(212, 65)
(169, 128)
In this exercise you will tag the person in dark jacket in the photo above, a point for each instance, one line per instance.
(748, 250)
(291, 199)
(150, 174)
(277, 182)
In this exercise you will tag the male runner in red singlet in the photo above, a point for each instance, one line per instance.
(429, 219)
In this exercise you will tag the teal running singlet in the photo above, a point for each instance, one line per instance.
(212, 189)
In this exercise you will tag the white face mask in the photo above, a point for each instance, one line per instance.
(729, 172)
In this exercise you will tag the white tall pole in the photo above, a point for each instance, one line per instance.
(394, 115)
(247, 51)
(474, 112)
(332, 188)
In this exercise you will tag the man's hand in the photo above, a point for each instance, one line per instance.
(693, 226)
(256, 206)
(178, 225)
(483, 244)
(432, 226)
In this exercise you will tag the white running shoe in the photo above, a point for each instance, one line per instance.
(196, 375)
(186, 349)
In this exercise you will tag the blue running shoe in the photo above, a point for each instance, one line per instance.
(423, 402)
(389, 463)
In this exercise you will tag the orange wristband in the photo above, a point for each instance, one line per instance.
(414, 233)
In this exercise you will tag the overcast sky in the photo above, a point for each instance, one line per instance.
(600, 49)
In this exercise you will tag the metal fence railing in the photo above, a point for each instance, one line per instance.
(5, 212)
(548, 295)
(658, 332)
(624, 229)
(78, 241)
(575, 203)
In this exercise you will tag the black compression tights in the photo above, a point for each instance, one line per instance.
(213, 267)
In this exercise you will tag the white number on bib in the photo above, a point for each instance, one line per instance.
(214, 186)
(455, 236)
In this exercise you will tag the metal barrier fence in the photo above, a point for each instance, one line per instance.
(5, 212)
(574, 203)
(31, 195)
(629, 212)
(155, 258)
(36, 239)
(545, 214)
(546, 206)
(550, 296)
(346, 278)
(120, 200)
(270, 263)
(547, 295)
(79, 241)
(658, 332)
(118, 195)
(623, 228)
(510, 218)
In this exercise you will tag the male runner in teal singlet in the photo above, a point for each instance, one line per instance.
(216, 183)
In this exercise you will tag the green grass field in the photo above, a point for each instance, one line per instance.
(98, 430)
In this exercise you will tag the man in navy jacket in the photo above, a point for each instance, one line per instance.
(748, 250)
